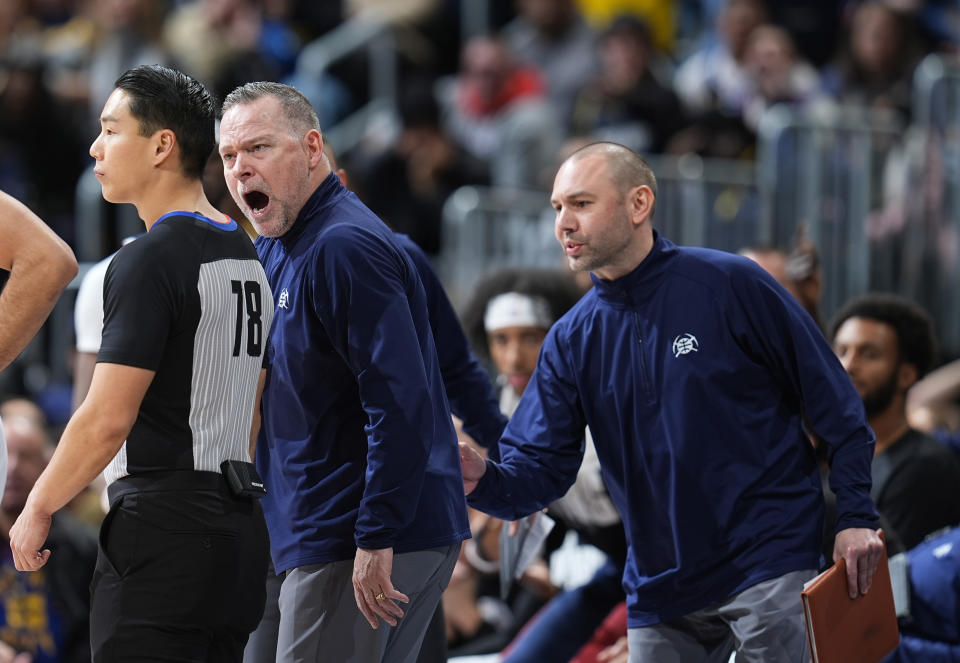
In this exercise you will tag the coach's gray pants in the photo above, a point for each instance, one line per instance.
(763, 624)
(320, 621)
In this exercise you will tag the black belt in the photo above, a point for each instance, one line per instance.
(166, 480)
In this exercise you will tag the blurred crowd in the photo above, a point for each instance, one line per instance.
(501, 104)
(490, 106)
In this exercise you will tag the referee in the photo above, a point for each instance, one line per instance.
(187, 309)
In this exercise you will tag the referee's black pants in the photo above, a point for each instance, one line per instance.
(179, 572)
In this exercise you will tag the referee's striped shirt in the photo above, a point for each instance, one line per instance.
(190, 301)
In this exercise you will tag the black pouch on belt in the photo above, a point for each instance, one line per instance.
(243, 479)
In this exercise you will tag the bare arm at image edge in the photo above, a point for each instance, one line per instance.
(40, 265)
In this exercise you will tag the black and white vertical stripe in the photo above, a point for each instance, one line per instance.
(220, 429)
(223, 385)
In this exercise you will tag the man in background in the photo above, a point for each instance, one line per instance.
(45, 615)
(886, 344)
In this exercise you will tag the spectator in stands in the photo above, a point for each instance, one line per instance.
(715, 78)
(11, 14)
(773, 260)
(33, 126)
(204, 35)
(333, 90)
(875, 65)
(886, 344)
(714, 85)
(662, 16)
(938, 22)
(806, 274)
(127, 35)
(24, 408)
(45, 615)
(537, 298)
(778, 75)
(672, 348)
(798, 271)
(774, 75)
(224, 43)
(497, 110)
(552, 36)
(625, 102)
(815, 27)
(88, 507)
(408, 184)
(427, 35)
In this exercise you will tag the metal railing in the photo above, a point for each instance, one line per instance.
(700, 202)
(929, 242)
(485, 229)
(361, 33)
(706, 202)
(825, 171)
(880, 201)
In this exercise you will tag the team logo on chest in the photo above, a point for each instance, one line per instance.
(284, 301)
(684, 344)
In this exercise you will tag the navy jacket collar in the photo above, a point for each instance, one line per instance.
(643, 280)
(329, 191)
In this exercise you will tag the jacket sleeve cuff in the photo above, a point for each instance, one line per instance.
(855, 509)
(486, 496)
(374, 541)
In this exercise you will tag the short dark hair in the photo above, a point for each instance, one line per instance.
(916, 343)
(557, 288)
(164, 98)
(298, 110)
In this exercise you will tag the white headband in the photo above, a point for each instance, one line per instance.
(512, 309)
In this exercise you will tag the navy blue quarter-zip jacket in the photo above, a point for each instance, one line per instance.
(693, 372)
(467, 384)
(356, 446)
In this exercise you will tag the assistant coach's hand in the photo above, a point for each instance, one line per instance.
(473, 466)
(27, 537)
(862, 549)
